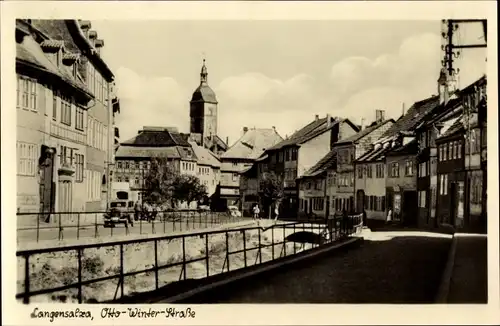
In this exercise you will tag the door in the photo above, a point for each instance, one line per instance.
(306, 201)
(360, 201)
(46, 188)
(453, 204)
(409, 208)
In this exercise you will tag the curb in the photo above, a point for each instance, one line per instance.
(444, 286)
(259, 270)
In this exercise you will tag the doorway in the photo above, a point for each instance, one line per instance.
(409, 205)
(360, 201)
(47, 185)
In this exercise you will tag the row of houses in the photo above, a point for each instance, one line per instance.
(66, 107)
(201, 152)
(428, 167)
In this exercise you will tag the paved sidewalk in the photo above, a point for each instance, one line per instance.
(390, 267)
(469, 276)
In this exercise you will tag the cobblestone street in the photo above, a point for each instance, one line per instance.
(390, 267)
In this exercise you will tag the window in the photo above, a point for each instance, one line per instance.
(433, 169)
(287, 155)
(422, 169)
(79, 168)
(54, 105)
(294, 154)
(235, 177)
(447, 155)
(476, 189)
(66, 156)
(27, 93)
(459, 149)
(27, 156)
(369, 171)
(360, 172)
(422, 198)
(66, 110)
(409, 168)
(380, 171)
(79, 118)
(475, 141)
(394, 170)
(127, 165)
(443, 183)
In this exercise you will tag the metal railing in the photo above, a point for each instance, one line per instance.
(210, 256)
(70, 225)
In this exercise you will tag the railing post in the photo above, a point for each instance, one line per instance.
(206, 219)
(227, 252)
(78, 226)
(184, 256)
(140, 226)
(37, 227)
(164, 223)
(153, 226)
(26, 298)
(156, 263)
(284, 240)
(260, 249)
(60, 227)
(272, 242)
(206, 253)
(80, 276)
(245, 247)
(95, 222)
(122, 278)
(294, 249)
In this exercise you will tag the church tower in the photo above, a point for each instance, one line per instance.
(203, 110)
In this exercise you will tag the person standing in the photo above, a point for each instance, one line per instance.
(256, 212)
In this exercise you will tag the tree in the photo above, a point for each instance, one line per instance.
(158, 181)
(271, 188)
(188, 188)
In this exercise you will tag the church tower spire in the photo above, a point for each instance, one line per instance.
(204, 73)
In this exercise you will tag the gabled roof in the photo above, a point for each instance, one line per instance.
(252, 144)
(174, 152)
(311, 130)
(157, 138)
(456, 127)
(205, 156)
(328, 161)
(408, 149)
(413, 116)
(354, 138)
(374, 155)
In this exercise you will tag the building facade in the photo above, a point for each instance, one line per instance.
(295, 156)
(134, 156)
(342, 188)
(65, 117)
(238, 158)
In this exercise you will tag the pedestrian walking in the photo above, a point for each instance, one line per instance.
(256, 212)
(137, 210)
(389, 216)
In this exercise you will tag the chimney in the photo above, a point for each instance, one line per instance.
(274, 128)
(316, 117)
(443, 87)
(362, 125)
(328, 120)
(227, 141)
(379, 116)
(98, 45)
(85, 25)
(404, 109)
(92, 37)
(245, 129)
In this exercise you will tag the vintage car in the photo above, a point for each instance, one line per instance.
(233, 211)
(120, 212)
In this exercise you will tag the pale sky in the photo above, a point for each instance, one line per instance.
(276, 73)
